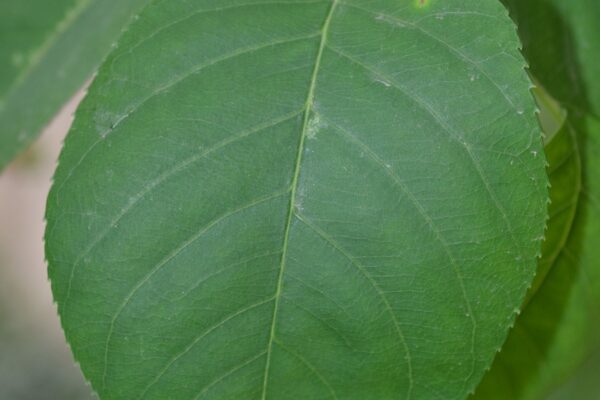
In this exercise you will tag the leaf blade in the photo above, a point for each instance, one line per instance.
(514, 372)
(365, 199)
(559, 43)
(305, 126)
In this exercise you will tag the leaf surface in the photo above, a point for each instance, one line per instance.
(559, 329)
(561, 41)
(515, 372)
(288, 200)
(47, 51)
(565, 173)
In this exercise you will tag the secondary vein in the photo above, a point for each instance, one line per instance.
(308, 108)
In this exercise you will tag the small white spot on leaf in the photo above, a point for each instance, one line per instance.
(314, 126)
(383, 82)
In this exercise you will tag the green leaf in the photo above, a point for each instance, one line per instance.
(579, 334)
(564, 171)
(560, 327)
(583, 384)
(561, 42)
(47, 51)
(23, 31)
(514, 374)
(299, 200)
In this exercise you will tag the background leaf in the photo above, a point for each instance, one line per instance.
(47, 51)
(561, 41)
(564, 170)
(286, 200)
(583, 385)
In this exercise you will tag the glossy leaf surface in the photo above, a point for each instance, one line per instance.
(289, 200)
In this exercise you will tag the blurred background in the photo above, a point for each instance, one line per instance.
(35, 362)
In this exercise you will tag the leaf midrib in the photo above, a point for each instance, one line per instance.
(308, 108)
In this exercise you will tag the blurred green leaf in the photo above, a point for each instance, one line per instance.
(299, 200)
(564, 172)
(583, 385)
(47, 51)
(561, 41)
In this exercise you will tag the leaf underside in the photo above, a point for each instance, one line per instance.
(285, 200)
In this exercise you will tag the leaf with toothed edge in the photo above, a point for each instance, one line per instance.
(48, 49)
(559, 328)
(564, 172)
(299, 199)
(561, 42)
(513, 373)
